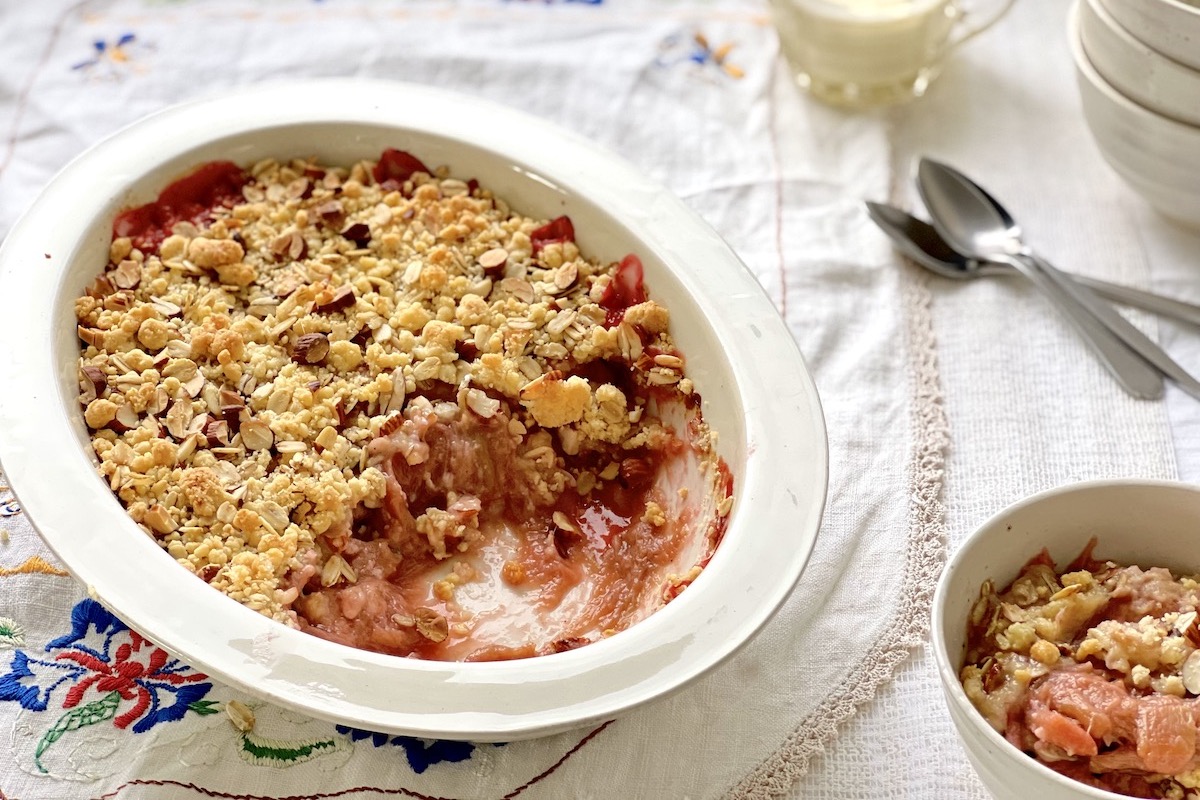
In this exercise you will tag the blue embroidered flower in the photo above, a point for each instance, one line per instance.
(421, 753)
(114, 59)
(697, 50)
(103, 51)
(103, 665)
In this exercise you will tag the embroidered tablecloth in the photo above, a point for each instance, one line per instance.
(943, 402)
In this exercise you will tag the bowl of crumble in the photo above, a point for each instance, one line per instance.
(413, 412)
(1068, 645)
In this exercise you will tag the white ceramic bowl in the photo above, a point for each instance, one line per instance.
(1157, 156)
(1172, 27)
(1149, 523)
(1135, 69)
(757, 394)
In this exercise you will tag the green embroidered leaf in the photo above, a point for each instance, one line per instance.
(203, 707)
(96, 711)
(262, 751)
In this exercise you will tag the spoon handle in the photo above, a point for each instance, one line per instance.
(1139, 298)
(1131, 371)
(1124, 329)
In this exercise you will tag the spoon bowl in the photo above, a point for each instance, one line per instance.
(968, 218)
(977, 225)
(921, 242)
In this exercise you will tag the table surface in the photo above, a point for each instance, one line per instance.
(945, 401)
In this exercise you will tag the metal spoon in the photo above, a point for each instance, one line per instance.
(921, 242)
(970, 222)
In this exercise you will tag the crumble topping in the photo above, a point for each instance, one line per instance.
(1095, 671)
(261, 367)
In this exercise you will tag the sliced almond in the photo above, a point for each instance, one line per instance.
(391, 425)
(327, 438)
(228, 397)
(159, 402)
(274, 515)
(479, 402)
(494, 259)
(662, 377)
(126, 275)
(359, 233)
(629, 341)
(91, 336)
(198, 424)
(240, 715)
(289, 246)
(453, 187)
(344, 297)
(311, 348)
(279, 400)
(332, 214)
(1190, 672)
(100, 288)
(194, 385)
(186, 448)
(1190, 628)
(262, 307)
(298, 189)
(166, 307)
(211, 394)
(92, 383)
(158, 518)
(383, 333)
(216, 431)
(562, 320)
(125, 420)
(395, 403)
(565, 275)
(226, 512)
(179, 418)
(257, 435)
(518, 288)
(432, 625)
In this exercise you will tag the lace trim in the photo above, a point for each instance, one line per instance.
(925, 555)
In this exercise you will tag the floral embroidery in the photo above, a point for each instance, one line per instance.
(9, 507)
(264, 752)
(32, 565)
(421, 753)
(11, 634)
(99, 669)
(110, 60)
(675, 49)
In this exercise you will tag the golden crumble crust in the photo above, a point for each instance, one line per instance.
(234, 376)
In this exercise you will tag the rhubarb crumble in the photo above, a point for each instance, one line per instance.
(378, 404)
(1094, 671)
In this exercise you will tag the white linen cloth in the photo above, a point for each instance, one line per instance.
(944, 401)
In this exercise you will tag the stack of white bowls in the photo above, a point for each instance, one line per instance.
(1138, 65)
